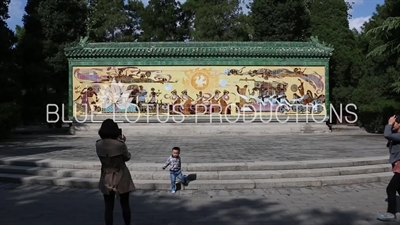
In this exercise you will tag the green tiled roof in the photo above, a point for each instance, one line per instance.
(312, 49)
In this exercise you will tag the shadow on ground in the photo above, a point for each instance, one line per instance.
(79, 206)
(30, 145)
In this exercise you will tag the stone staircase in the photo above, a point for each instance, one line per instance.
(204, 176)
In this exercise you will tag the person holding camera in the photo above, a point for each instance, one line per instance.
(115, 177)
(392, 134)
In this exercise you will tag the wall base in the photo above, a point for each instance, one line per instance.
(191, 129)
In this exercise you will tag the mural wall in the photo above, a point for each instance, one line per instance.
(287, 90)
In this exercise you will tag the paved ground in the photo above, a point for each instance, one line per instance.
(344, 205)
(209, 149)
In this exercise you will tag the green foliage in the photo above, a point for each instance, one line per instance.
(346, 64)
(107, 20)
(49, 26)
(377, 95)
(374, 115)
(36, 71)
(217, 20)
(163, 20)
(276, 20)
(9, 117)
(389, 30)
(9, 76)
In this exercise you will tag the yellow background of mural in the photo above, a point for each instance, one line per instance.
(162, 80)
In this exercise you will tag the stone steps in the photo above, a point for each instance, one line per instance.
(201, 167)
(205, 176)
(205, 184)
(211, 175)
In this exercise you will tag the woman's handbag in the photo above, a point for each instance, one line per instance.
(396, 168)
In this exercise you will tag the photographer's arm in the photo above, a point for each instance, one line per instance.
(125, 153)
(388, 134)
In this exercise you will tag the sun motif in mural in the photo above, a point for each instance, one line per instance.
(199, 79)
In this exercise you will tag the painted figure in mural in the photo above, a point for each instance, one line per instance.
(242, 94)
(142, 97)
(175, 99)
(299, 72)
(86, 96)
(154, 95)
(201, 101)
(256, 98)
(92, 76)
(309, 97)
(315, 80)
(234, 71)
(187, 102)
(214, 101)
(299, 98)
(134, 94)
(281, 97)
(262, 72)
(153, 99)
(147, 78)
(223, 101)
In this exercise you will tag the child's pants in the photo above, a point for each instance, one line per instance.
(177, 174)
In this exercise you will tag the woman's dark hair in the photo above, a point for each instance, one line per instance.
(109, 130)
(397, 118)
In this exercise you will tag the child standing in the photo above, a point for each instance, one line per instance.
(175, 170)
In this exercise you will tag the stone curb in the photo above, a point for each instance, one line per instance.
(207, 184)
(201, 167)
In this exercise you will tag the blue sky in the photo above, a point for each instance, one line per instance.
(361, 12)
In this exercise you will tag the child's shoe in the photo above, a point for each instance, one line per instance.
(173, 190)
(389, 217)
(187, 181)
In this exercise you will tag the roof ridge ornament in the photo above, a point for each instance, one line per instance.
(83, 41)
(314, 40)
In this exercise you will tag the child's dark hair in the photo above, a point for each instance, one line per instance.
(176, 148)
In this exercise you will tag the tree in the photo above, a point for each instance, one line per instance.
(63, 22)
(132, 31)
(389, 30)
(346, 64)
(376, 95)
(9, 76)
(388, 35)
(49, 26)
(276, 20)
(217, 20)
(163, 20)
(107, 20)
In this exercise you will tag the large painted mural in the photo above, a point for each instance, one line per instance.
(231, 90)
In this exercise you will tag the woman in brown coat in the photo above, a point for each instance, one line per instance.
(115, 177)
